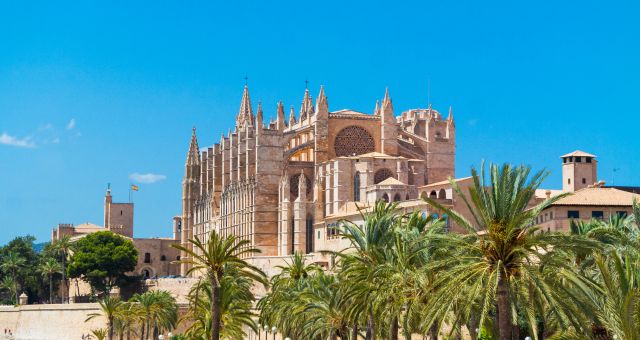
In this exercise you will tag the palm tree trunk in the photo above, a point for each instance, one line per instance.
(215, 309)
(50, 289)
(142, 331)
(354, 332)
(64, 280)
(504, 320)
(110, 328)
(433, 332)
(333, 335)
(394, 329)
(371, 332)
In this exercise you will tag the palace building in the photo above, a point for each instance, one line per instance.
(278, 184)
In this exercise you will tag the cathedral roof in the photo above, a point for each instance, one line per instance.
(347, 113)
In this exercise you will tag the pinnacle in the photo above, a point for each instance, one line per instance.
(193, 156)
(245, 113)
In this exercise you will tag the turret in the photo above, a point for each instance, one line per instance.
(451, 126)
(280, 122)
(388, 126)
(306, 110)
(292, 117)
(190, 186)
(321, 128)
(322, 105)
(259, 117)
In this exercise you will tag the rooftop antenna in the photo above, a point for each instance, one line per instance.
(246, 80)
(428, 91)
(306, 84)
(613, 181)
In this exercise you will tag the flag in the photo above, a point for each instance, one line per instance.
(134, 187)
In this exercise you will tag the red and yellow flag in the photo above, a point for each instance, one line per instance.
(134, 187)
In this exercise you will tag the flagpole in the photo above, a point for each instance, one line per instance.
(129, 192)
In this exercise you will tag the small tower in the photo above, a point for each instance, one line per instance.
(118, 217)
(389, 127)
(190, 193)
(579, 170)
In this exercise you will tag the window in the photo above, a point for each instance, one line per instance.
(385, 197)
(147, 258)
(120, 212)
(599, 214)
(573, 214)
(163, 258)
(356, 187)
(568, 180)
(178, 258)
(584, 180)
(309, 234)
(318, 234)
(588, 159)
(578, 159)
(621, 214)
(397, 198)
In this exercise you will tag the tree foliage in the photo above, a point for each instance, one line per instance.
(102, 259)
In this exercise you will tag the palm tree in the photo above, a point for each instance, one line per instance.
(100, 333)
(213, 258)
(160, 312)
(504, 261)
(617, 295)
(126, 318)
(236, 307)
(11, 264)
(284, 305)
(109, 308)
(49, 268)
(63, 247)
(9, 284)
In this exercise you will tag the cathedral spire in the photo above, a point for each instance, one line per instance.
(280, 123)
(450, 118)
(245, 114)
(193, 156)
(307, 105)
(376, 111)
(292, 117)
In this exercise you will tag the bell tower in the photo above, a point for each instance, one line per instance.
(579, 170)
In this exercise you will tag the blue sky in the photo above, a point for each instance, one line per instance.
(93, 92)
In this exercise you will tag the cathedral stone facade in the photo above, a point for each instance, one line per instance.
(276, 183)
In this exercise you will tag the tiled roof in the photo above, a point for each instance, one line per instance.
(598, 197)
(542, 193)
(578, 153)
(447, 182)
(391, 181)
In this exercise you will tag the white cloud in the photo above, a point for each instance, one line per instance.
(15, 141)
(55, 140)
(146, 178)
(71, 124)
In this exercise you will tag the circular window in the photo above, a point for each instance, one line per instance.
(353, 140)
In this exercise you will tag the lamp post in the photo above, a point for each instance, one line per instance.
(160, 337)
(266, 329)
(273, 329)
(527, 338)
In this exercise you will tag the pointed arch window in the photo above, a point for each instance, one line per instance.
(356, 187)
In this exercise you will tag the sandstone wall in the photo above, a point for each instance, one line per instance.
(50, 322)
